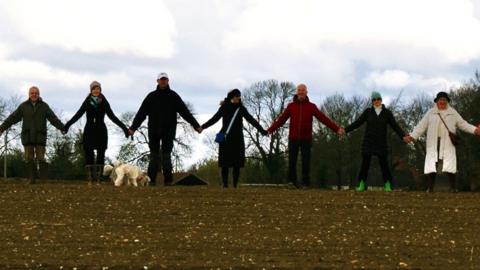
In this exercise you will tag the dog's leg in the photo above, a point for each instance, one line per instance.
(119, 180)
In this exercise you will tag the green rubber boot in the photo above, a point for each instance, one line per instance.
(361, 186)
(387, 187)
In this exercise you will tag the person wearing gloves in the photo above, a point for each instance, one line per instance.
(377, 118)
(441, 124)
(301, 112)
(231, 152)
(34, 114)
(95, 135)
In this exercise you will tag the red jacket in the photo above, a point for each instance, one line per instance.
(301, 117)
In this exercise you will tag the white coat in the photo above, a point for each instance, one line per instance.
(429, 123)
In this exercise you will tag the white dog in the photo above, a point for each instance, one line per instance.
(125, 174)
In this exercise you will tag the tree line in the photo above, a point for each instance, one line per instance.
(335, 160)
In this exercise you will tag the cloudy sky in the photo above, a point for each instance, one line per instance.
(210, 46)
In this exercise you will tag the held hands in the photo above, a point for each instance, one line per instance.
(64, 130)
(126, 132)
(199, 130)
(130, 132)
(477, 131)
(408, 139)
(341, 131)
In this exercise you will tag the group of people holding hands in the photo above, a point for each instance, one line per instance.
(162, 105)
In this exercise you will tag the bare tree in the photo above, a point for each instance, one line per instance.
(136, 150)
(266, 100)
(13, 133)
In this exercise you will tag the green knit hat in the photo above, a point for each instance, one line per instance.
(376, 95)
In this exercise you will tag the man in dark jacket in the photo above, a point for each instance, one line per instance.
(301, 112)
(161, 106)
(34, 113)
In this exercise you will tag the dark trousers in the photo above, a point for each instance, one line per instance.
(382, 159)
(236, 176)
(90, 156)
(294, 146)
(160, 154)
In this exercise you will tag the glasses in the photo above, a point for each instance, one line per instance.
(375, 99)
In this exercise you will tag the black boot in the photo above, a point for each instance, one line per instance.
(225, 177)
(167, 178)
(453, 182)
(431, 181)
(235, 182)
(167, 168)
(32, 171)
(236, 176)
(153, 167)
(43, 170)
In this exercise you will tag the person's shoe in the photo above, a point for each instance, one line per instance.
(387, 187)
(361, 186)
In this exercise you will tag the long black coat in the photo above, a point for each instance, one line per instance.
(232, 150)
(161, 106)
(375, 138)
(95, 135)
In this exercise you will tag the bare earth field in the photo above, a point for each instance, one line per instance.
(66, 225)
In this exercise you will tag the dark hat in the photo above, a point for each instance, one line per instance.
(441, 95)
(234, 93)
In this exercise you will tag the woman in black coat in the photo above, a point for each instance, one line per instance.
(375, 139)
(232, 151)
(95, 135)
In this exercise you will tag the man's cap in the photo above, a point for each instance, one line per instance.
(162, 75)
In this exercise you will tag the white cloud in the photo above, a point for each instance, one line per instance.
(144, 28)
(21, 74)
(395, 79)
(401, 80)
(307, 26)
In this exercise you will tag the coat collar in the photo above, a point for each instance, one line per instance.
(449, 110)
(295, 99)
(158, 88)
(28, 101)
(383, 107)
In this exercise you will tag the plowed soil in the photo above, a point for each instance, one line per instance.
(71, 225)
